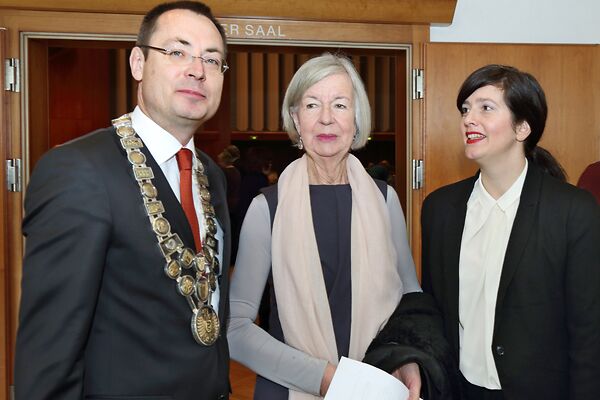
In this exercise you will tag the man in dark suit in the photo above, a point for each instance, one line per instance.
(125, 283)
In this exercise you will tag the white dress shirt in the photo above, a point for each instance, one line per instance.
(488, 224)
(163, 146)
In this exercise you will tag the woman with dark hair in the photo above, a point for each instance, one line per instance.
(511, 255)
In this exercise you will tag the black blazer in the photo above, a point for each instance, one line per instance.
(99, 318)
(546, 340)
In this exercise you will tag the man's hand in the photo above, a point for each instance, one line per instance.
(409, 375)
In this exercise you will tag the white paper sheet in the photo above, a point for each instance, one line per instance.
(354, 380)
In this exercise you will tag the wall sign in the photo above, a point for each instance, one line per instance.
(253, 31)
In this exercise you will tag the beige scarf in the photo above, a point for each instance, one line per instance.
(298, 276)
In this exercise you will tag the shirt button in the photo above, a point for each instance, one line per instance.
(500, 350)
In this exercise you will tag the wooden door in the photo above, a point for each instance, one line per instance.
(566, 72)
(570, 76)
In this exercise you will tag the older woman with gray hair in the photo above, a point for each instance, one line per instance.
(331, 240)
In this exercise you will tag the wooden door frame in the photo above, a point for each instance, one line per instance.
(5, 320)
(406, 12)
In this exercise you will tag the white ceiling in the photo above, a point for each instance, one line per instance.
(522, 21)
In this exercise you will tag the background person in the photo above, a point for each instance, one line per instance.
(227, 161)
(590, 180)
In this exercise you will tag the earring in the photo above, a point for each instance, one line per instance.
(300, 144)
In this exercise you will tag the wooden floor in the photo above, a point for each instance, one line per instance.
(242, 382)
(242, 379)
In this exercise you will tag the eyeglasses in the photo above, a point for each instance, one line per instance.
(182, 57)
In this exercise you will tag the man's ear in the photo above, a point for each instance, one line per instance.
(523, 130)
(136, 63)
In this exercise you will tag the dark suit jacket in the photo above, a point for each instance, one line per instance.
(99, 318)
(546, 340)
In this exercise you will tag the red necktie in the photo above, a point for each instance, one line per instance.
(184, 162)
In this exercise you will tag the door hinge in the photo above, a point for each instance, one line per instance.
(418, 77)
(13, 175)
(12, 75)
(417, 174)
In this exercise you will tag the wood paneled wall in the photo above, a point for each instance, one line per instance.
(74, 94)
(260, 78)
(569, 75)
(70, 76)
(382, 11)
(79, 85)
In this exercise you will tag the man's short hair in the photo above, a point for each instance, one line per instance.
(149, 22)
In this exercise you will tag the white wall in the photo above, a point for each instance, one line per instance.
(522, 21)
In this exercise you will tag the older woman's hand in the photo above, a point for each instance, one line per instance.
(327, 377)
(409, 375)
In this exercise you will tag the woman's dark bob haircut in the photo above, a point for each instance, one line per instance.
(525, 99)
(522, 94)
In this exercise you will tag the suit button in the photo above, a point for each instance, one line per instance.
(222, 397)
(500, 350)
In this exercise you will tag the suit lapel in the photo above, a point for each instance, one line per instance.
(125, 164)
(521, 230)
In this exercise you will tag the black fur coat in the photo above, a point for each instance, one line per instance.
(414, 334)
